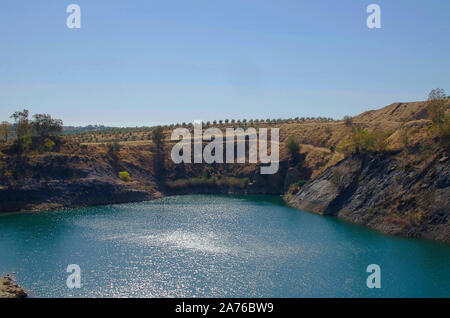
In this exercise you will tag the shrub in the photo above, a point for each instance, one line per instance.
(158, 137)
(25, 142)
(348, 121)
(363, 140)
(440, 121)
(113, 148)
(436, 105)
(301, 183)
(124, 176)
(49, 144)
(293, 147)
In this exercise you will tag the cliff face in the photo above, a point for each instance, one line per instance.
(380, 192)
(52, 181)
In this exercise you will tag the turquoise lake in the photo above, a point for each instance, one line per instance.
(213, 246)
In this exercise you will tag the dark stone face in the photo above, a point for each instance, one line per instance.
(373, 192)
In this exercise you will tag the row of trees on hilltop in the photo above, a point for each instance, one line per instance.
(256, 121)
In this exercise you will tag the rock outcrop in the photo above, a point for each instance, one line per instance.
(379, 192)
(10, 290)
(53, 181)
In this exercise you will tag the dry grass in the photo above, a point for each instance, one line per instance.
(318, 138)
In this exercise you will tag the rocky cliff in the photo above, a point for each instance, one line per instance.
(381, 192)
(55, 180)
(10, 290)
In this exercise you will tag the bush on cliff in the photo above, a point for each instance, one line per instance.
(25, 143)
(362, 140)
(293, 148)
(49, 144)
(124, 176)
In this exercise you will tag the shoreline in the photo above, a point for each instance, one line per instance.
(224, 191)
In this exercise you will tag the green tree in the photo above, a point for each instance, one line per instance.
(22, 123)
(293, 147)
(44, 125)
(436, 105)
(348, 121)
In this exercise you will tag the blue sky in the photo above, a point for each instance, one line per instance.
(137, 63)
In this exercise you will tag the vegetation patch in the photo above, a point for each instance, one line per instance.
(124, 176)
(225, 182)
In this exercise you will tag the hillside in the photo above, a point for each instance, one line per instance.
(395, 112)
(397, 184)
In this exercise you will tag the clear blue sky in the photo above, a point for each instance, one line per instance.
(156, 62)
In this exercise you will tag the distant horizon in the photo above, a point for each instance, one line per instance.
(66, 125)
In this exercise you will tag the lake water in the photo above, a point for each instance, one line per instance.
(213, 246)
